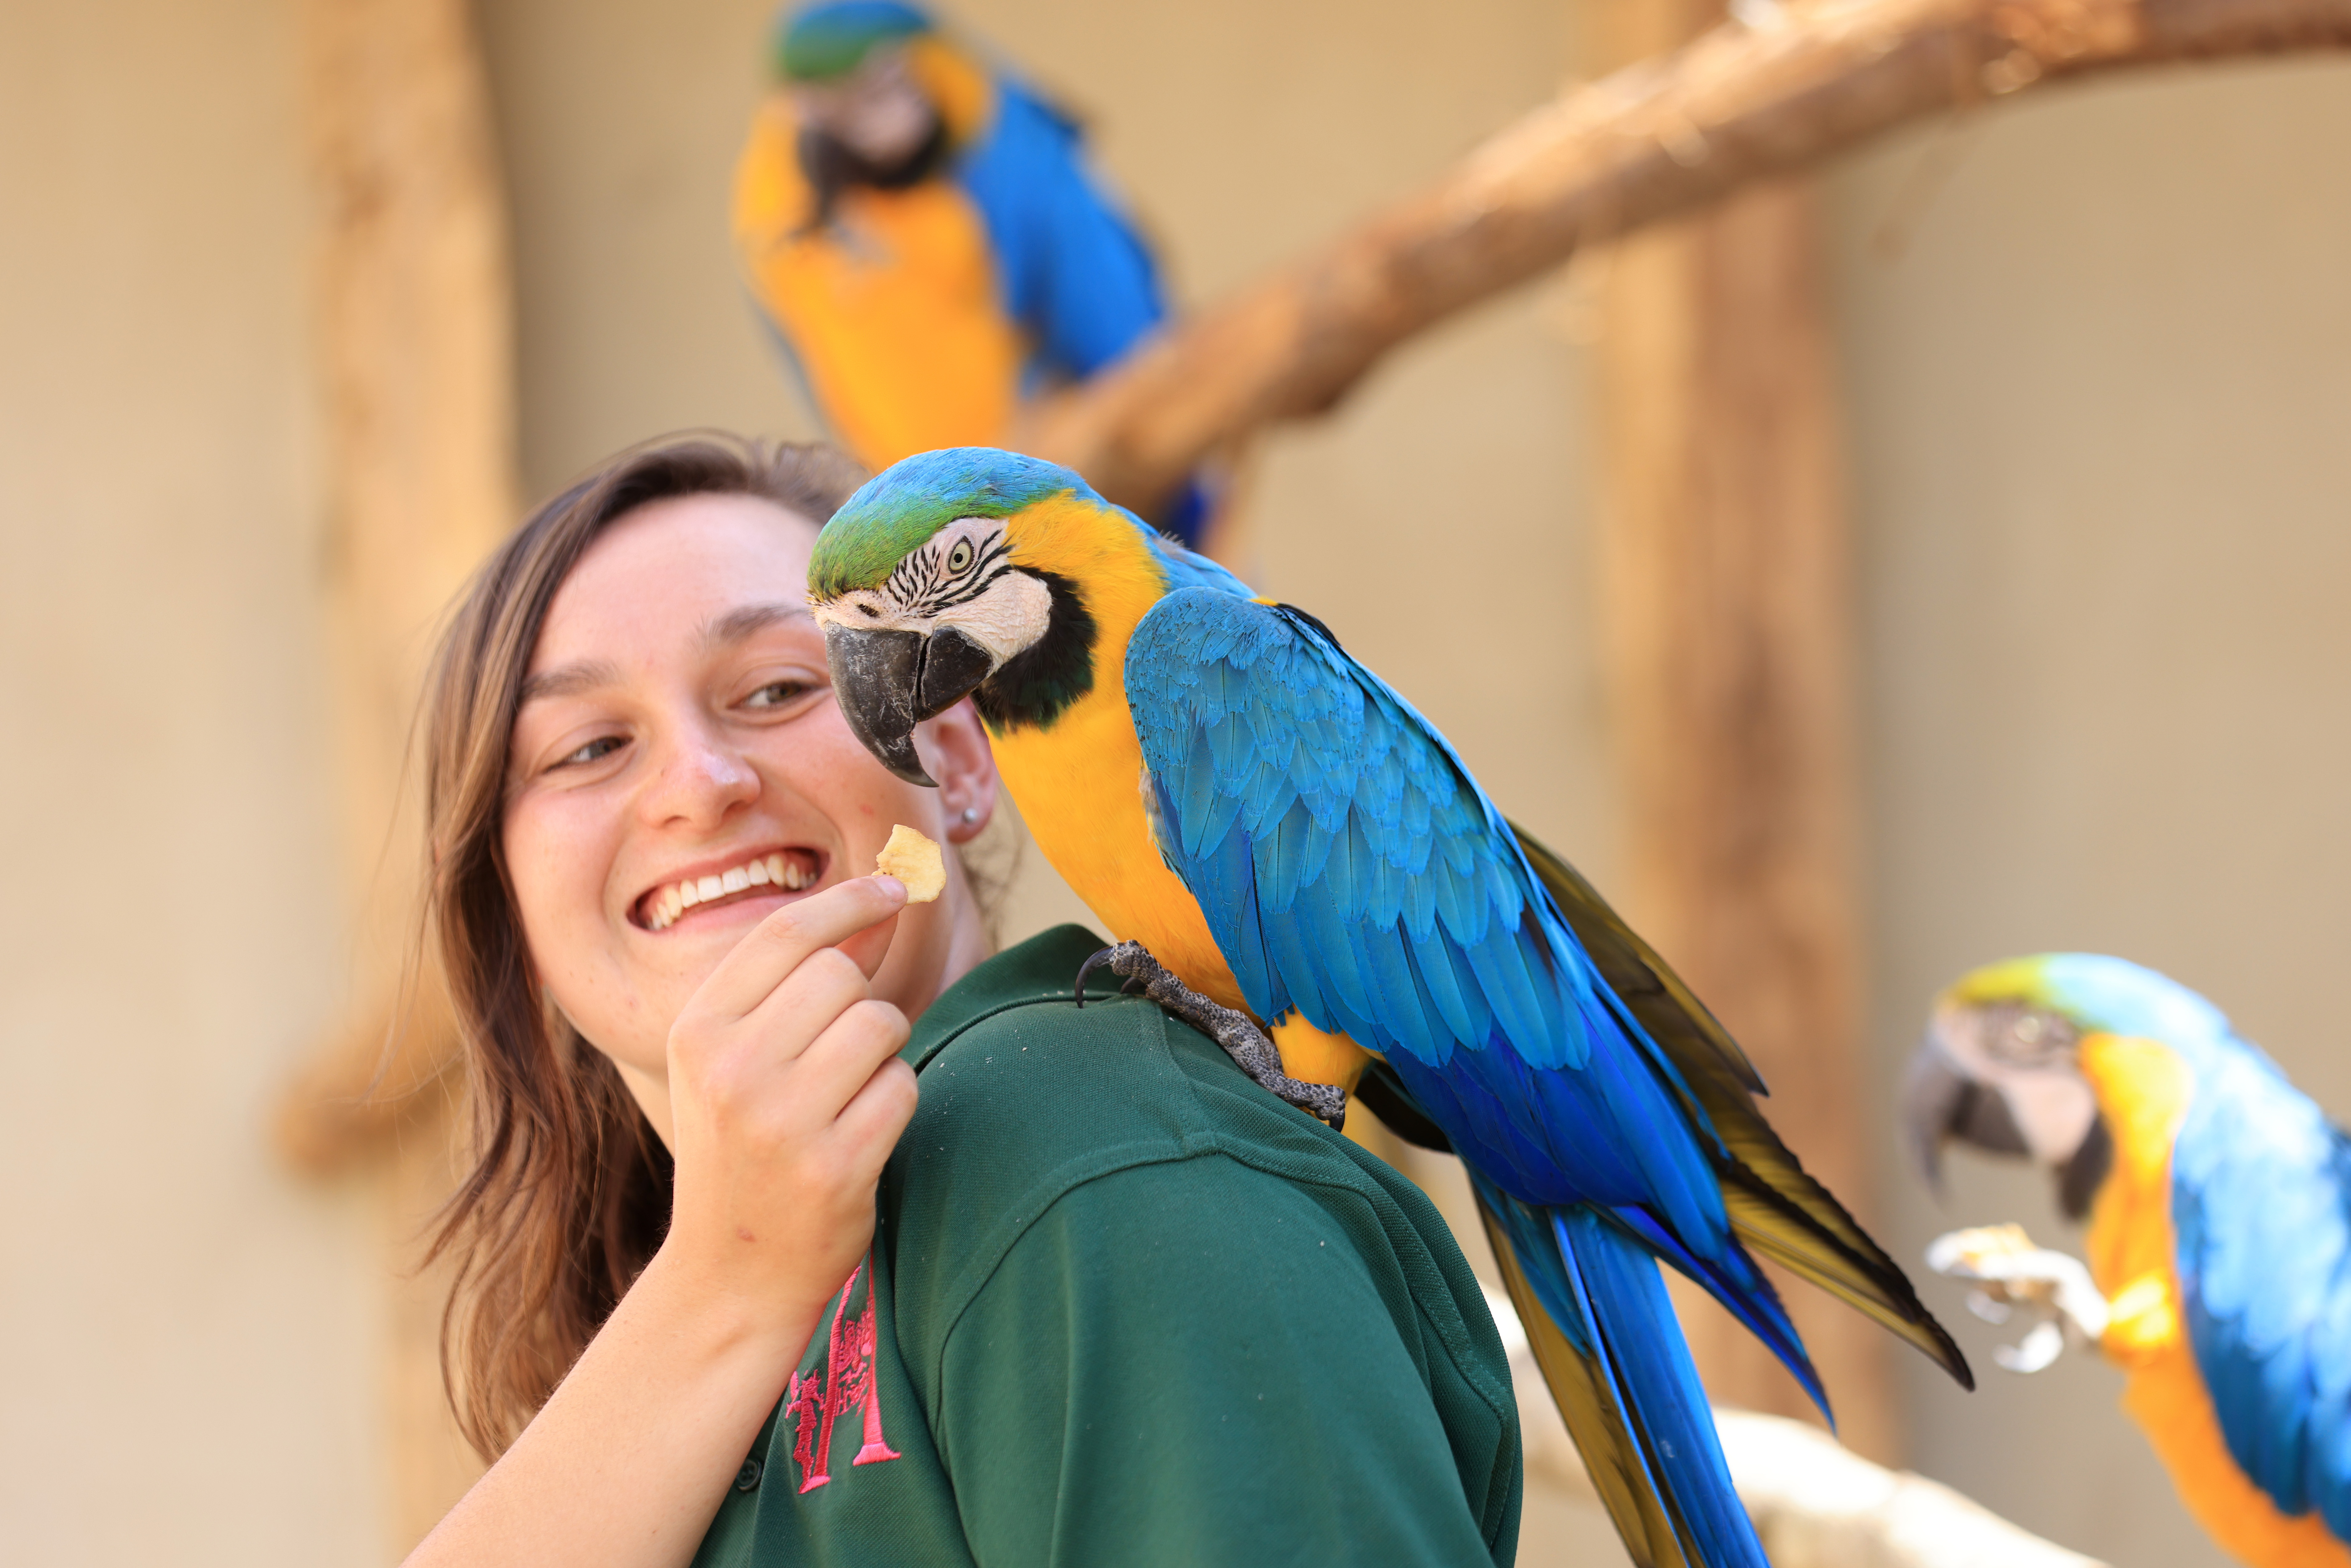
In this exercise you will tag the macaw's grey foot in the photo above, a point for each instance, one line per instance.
(1246, 1044)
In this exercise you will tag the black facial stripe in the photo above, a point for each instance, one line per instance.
(921, 584)
(967, 591)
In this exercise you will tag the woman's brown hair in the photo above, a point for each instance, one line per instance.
(570, 1193)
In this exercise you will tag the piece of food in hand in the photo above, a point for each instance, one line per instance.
(914, 861)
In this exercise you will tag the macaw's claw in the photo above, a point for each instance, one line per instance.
(1246, 1044)
(1129, 987)
(2012, 1275)
(1099, 956)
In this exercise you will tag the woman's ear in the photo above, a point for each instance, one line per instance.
(958, 758)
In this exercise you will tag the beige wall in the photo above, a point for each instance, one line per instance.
(182, 1376)
(2102, 416)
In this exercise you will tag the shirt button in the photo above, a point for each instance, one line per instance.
(748, 1476)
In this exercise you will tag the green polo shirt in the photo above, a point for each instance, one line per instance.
(1124, 1307)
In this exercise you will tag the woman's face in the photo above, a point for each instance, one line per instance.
(679, 770)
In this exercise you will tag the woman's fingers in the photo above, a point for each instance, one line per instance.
(869, 1126)
(837, 1062)
(777, 948)
(870, 946)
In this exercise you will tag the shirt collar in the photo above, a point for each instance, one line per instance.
(1040, 969)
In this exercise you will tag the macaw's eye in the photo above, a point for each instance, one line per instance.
(959, 558)
(2028, 1036)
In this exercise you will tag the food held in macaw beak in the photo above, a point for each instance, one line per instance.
(914, 861)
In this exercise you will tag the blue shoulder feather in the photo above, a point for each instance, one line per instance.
(1351, 868)
(2262, 1209)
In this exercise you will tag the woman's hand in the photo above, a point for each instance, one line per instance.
(786, 1098)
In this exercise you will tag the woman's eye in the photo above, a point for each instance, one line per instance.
(777, 693)
(959, 558)
(596, 750)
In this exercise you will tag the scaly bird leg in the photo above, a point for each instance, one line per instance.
(1246, 1044)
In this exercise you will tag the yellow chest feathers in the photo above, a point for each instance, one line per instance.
(1078, 780)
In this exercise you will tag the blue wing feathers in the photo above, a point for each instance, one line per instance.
(2262, 1211)
(1071, 268)
(1351, 868)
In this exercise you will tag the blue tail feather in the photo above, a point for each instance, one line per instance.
(1747, 1294)
(1600, 1286)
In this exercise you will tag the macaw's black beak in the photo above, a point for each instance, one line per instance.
(889, 682)
(1939, 1101)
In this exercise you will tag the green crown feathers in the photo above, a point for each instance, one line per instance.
(896, 510)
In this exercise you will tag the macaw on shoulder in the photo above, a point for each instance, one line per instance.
(1296, 862)
(2219, 1200)
(928, 239)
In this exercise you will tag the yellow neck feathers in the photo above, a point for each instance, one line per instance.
(1078, 781)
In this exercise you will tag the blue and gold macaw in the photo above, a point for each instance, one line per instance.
(1281, 841)
(2218, 1199)
(926, 237)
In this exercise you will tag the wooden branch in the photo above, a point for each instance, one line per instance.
(1651, 142)
(1815, 1503)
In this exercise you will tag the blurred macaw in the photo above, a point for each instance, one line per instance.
(927, 240)
(2219, 1244)
(1283, 842)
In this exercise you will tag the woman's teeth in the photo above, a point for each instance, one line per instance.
(664, 905)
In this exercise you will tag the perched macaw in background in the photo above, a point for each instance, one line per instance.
(2219, 1244)
(1305, 846)
(927, 240)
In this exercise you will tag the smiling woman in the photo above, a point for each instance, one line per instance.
(634, 759)
(716, 1262)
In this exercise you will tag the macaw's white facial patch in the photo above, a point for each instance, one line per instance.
(1010, 616)
(2029, 1058)
(961, 577)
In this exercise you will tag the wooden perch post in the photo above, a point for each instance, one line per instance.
(1655, 141)
(1727, 633)
(417, 381)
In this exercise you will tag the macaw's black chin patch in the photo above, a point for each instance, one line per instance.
(1038, 682)
(2081, 1177)
(833, 167)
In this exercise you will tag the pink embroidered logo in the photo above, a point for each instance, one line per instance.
(846, 1379)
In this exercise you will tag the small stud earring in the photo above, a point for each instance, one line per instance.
(970, 815)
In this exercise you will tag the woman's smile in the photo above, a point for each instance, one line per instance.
(764, 878)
